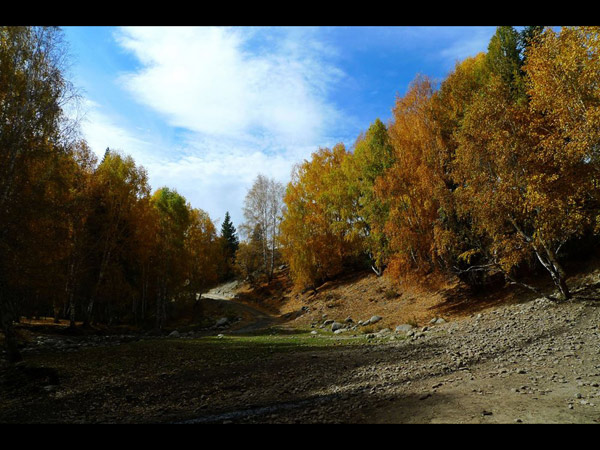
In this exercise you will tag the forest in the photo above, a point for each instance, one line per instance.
(489, 173)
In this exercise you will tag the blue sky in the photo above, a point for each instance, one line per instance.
(205, 110)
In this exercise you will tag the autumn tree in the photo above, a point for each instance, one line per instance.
(318, 240)
(372, 155)
(528, 172)
(263, 207)
(203, 250)
(248, 257)
(119, 185)
(174, 219)
(33, 132)
(415, 185)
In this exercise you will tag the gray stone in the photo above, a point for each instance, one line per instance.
(404, 328)
(174, 334)
(336, 326)
(222, 321)
(374, 319)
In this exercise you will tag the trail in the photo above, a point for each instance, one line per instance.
(225, 294)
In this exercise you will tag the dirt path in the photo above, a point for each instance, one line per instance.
(255, 320)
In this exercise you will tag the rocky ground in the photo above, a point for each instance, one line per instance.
(537, 361)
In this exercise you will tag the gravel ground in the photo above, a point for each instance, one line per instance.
(535, 362)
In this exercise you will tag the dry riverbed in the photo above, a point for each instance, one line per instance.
(532, 362)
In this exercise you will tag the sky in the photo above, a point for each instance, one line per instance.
(205, 110)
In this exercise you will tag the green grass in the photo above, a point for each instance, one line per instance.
(158, 374)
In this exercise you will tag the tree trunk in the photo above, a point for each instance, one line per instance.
(550, 263)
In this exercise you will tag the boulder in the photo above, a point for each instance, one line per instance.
(222, 321)
(374, 319)
(336, 326)
(404, 328)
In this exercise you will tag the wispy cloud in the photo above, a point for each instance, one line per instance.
(214, 81)
(244, 101)
(468, 44)
(213, 107)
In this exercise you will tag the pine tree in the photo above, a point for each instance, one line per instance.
(229, 234)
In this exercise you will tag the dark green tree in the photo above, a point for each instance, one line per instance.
(229, 235)
(504, 60)
(527, 37)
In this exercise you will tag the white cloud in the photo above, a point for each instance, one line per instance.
(244, 102)
(101, 130)
(468, 44)
(219, 82)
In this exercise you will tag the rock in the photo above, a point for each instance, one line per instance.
(222, 321)
(439, 321)
(349, 320)
(374, 319)
(174, 334)
(432, 321)
(404, 328)
(341, 330)
(336, 326)
(314, 332)
(328, 322)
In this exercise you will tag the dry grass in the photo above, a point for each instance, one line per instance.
(362, 295)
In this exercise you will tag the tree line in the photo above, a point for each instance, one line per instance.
(82, 239)
(494, 170)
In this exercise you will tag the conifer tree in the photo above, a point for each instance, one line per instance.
(229, 235)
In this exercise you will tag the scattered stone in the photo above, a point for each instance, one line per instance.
(336, 326)
(404, 328)
(374, 319)
(174, 334)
